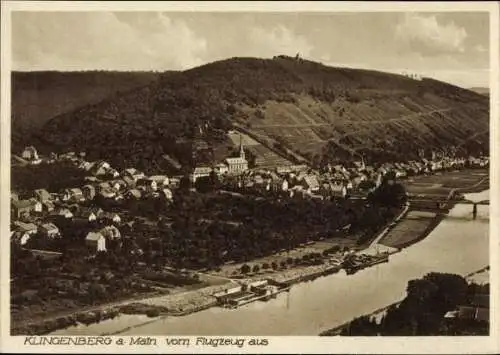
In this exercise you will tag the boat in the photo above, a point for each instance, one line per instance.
(260, 291)
(353, 266)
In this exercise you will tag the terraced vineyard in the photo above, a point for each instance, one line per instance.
(308, 125)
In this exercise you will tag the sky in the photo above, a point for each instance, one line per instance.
(448, 46)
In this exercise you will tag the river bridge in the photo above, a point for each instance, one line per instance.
(417, 200)
(444, 205)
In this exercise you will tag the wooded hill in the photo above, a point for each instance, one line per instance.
(41, 95)
(301, 108)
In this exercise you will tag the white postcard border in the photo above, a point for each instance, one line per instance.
(291, 344)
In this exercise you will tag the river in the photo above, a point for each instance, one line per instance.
(458, 245)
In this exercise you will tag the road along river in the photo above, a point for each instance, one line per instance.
(458, 245)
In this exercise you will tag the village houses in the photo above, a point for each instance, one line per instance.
(147, 185)
(23, 208)
(100, 168)
(72, 195)
(160, 180)
(30, 154)
(133, 173)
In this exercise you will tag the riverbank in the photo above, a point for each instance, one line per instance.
(176, 304)
(379, 313)
(413, 228)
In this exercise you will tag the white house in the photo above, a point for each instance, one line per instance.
(31, 155)
(310, 183)
(74, 195)
(284, 185)
(400, 173)
(20, 238)
(339, 191)
(37, 205)
(166, 194)
(95, 241)
(200, 171)
(221, 169)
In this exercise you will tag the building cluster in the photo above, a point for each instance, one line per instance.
(40, 211)
(231, 166)
(339, 181)
(291, 181)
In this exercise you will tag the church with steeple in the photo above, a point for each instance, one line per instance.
(239, 164)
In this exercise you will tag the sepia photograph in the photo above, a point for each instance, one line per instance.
(215, 177)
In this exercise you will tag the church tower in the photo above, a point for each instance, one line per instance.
(242, 151)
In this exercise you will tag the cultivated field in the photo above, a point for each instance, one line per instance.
(442, 184)
(412, 227)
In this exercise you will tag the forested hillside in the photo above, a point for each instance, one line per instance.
(301, 108)
(39, 96)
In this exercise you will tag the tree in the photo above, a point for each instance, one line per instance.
(231, 109)
(361, 326)
(184, 183)
(256, 268)
(274, 265)
(204, 184)
(427, 300)
(389, 194)
(245, 269)
(366, 185)
(259, 114)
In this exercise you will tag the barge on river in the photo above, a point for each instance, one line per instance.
(356, 263)
(246, 293)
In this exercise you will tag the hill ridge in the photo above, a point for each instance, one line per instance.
(207, 101)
